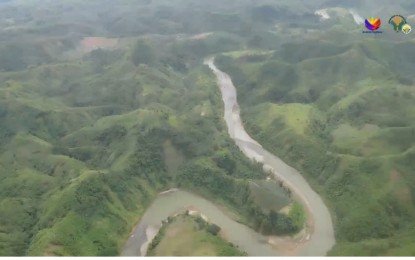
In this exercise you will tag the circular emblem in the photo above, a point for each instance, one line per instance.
(406, 28)
(372, 23)
(397, 21)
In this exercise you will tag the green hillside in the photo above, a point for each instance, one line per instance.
(89, 138)
(103, 106)
(82, 159)
(344, 116)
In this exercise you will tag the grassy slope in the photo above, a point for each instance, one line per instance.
(183, 237)
(343, 116)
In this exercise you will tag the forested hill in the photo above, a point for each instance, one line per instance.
(98, 118)
(344, 116)
(104, 105)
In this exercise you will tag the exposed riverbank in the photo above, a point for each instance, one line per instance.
(321, 232)
(315, 240)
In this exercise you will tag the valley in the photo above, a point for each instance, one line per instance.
(295, 137)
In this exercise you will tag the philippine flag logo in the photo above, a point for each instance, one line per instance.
(372, 23)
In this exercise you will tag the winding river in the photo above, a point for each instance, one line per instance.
(320, 238)
(176, 201)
